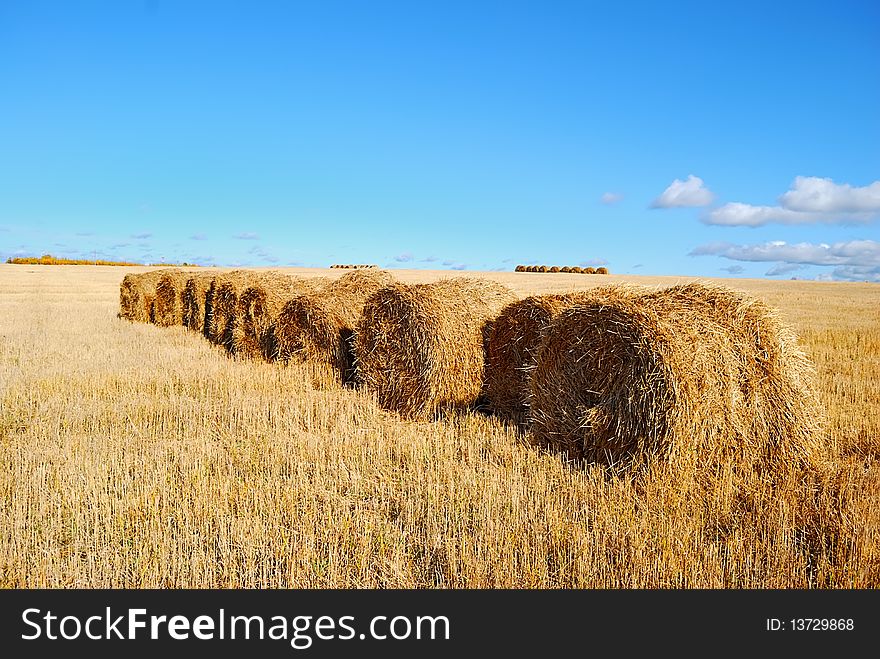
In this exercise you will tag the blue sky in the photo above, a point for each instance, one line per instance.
(656, 138)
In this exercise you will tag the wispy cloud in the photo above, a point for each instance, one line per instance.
(142, 236)
(85, 233)
(593, 262)
(198, 236)
(856, 259)
(689, 193)
(734, 269)
(246, 235)
(429, 259)
(405, 257)
(611, 198)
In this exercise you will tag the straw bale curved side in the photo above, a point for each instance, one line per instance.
(193, 300)
(169, 293)
(676, 375)
(514, 340)
(258, 308)
(421, 347)
(318, 328)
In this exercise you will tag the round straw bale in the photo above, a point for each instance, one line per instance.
(421, 347)
(169, 294)
(221, 302)
(589, 271)
(318, 328)
(520, 268)
(602, 270)
(554, 268)
(513, 342)
(137, 295)
(257, 309)
(565, 268)
(688, 374)
(542, 268)
(195, 292)
(577, 269)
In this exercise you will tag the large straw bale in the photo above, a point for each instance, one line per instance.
(257, 310)
(221, 302)
(169, 296)
(514, 340)
(317, 328)
(137, 295)
(691, 374)
(194, 299)
(421, 347)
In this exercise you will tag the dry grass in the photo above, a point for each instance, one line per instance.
(420, 347)
(137, 456)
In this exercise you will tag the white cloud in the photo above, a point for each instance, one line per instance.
(855, 260)
(406, 257)
(137, 236)
(680, 193)
(736, 214)
(812, 194)
(611, 197)
(855, 253)
(593, 262)
(734, 269)
(246, 235)
(810, 200)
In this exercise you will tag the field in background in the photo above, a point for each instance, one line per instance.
(139, 456)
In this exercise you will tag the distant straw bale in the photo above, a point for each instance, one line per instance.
(520, 268)
(421, 347)
(565, 268)
(542, 268)
(169, 294)
(194, 298)
(513, 343)
(589, 271)
(257, 309)
(602, 270)
(577, 269)
(690, 375)
(137, 295)
(317, 328)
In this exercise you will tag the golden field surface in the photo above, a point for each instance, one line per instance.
(138, 456)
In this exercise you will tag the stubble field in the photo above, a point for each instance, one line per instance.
(138, 456)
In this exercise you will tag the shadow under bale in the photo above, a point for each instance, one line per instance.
(318, 328)
(421, 347)
(687, 375)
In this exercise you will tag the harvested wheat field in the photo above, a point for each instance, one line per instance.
(317, 329)
(133, 455)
